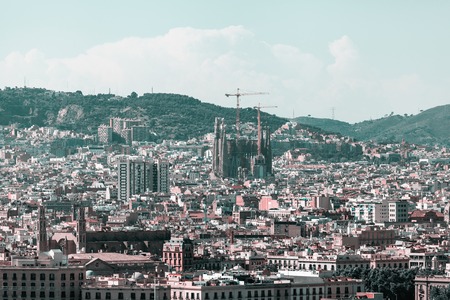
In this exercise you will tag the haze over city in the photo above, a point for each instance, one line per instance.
(359, 59)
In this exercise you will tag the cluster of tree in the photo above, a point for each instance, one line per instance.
(392, 282)
(440, 293)
(171, 116)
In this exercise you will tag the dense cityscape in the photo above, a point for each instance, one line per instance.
(243, 212)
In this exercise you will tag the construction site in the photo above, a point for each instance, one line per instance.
(242, 156)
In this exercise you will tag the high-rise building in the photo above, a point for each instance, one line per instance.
(104, 134)
(163, 183)
(138, 175)
(124, 128)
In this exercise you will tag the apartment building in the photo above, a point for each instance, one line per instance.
(46, 277)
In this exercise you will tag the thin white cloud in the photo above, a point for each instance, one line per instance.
(206, 64)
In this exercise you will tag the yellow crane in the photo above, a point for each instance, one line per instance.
(238, 94)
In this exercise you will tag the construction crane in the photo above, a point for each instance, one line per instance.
(237, 95)
(259, 125)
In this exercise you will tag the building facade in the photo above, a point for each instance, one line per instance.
(46, 277)
(139, 175)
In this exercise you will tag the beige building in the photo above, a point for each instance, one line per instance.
(317, 262)
(123, 289)
(46, 277)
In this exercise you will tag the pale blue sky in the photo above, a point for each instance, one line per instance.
(365, 58)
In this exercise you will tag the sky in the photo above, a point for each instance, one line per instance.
(351, 60)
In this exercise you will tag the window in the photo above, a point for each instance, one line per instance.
(51, 294)
(42, 294)
(133, 296)
(63, 294)
(51, 276)
(142, 296)
(72, 276)
(120, 295)
(23, 294)
(108, 295)
(98, 295)
(42, 276)
(87, 295)
(33, 294)
(63, 276)
(5, 276)
(24, 276)
(80, 276)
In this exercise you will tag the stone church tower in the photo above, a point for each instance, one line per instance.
(81, 231)
(42, 241)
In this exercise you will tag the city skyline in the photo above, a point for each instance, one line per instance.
(351, 60)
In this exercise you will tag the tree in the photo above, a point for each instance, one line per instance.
(133, 95)
(390, 282)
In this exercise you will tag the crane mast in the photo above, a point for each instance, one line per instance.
(238, 94)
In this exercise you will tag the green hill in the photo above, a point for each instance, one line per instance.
(428, 127)
(170, 116)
